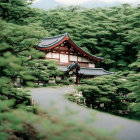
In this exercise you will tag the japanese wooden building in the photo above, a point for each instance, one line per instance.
(62, 49)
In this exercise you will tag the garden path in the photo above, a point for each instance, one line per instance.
(53, 99)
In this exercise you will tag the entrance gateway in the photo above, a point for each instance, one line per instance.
(62, 49)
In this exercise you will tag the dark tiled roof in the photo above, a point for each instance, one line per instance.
(50, 41)
(89, 71)
(94, 71)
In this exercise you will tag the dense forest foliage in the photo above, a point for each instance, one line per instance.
(105, 32)
(112, 33)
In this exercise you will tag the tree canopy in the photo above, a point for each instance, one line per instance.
(112, 33)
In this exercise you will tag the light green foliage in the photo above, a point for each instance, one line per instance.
(15, 123)
(19, 124)
(73, 97)
(19, 65)
(15, 10)
(136, 65)
(108, 90)
(112, 33)
(44, 70)
(134, 86)
(16, 42)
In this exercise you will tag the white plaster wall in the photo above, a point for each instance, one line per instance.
(73, 58)
(85, 60)
(92, 65)
(63, 58)
(48, 55)
(55, 55)
(80, 59)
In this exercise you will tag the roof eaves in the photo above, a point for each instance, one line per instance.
(55, 36)
(101, 58)
(97, 74)
(108, 71)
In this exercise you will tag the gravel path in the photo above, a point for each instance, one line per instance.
(53, 98)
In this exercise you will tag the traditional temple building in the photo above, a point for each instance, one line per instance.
(62, 49)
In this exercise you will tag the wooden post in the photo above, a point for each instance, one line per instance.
(69, 54)
(91, 106)
(77, 78)
(79, 100)
(33, 102)
(59, 53)
(76, 101)
(130, 114)
(84, 101)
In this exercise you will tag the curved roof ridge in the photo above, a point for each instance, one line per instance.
(51, 41)
(55, 36)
